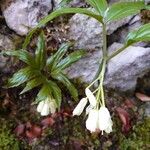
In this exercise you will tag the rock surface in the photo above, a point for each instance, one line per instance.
(5, 44)
(87, 32)
(73, 3)
(20, 15)
(123, 70)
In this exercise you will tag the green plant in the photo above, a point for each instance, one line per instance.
(138, 139)
(45, 72)
(7, 139)
(104, 14)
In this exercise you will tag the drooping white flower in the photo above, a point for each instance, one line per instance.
(105, 122)
(46, 106)
(80, 107)
(92, 121)
(52, 106)
(88, 109)
(40, 106)
(91, 97)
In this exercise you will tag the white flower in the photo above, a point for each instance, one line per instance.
(92, 121)
(105, 122)
(91, 97)
(40, 106)
(79, 108)
(88, 109)
(46, 106)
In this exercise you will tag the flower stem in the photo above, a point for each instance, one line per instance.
(100, 94)
(117, 52)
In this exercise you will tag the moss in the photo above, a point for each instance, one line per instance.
(7, 139)
(139, 139)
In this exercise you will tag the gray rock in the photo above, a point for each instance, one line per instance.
(125, 68)
(87, 32)
(73, 3)
(122, 72)
(21, 15)
(5, 44)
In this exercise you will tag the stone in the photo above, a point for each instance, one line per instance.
(87, 32)
(122, 71)
(5, 44)
(73, 3)
(21, 15)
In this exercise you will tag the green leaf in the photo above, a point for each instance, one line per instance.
(122, 9)
(56, 92)
(40, 54)
(147, 7)
(60, 53)
(44, 93)
(32, 84)
(22, 55)
(58, 13)
(99, 5)
(22, 76)
(70, 59)
(142, 34)
(64, 80)
(50, 89)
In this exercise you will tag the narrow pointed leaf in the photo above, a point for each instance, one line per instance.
(142, 34)
(99, 5)
(32, 84)
(70, 59)
(64, 80)
(123, 9)
(44, 92)
(22, 76)
(56, 92)
(58, 13)
(40, 54)
(60, 53)
(22, 55)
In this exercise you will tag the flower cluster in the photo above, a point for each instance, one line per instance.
(98, 119)
(46, 107)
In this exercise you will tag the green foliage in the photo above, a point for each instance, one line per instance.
(103, 13)
(99, 5)
(138, 139)
(142, 34)
(7, 139)
(45, 71)
(122, 9)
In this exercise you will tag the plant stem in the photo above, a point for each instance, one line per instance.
(100, 92)
(117, 52)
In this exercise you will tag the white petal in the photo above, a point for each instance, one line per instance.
(80, 107)
(91, 97)
(105, 122)
(46, 110)
(40, 106)
(92, 121)
(108, 129)
(52, 107)
(88, 109)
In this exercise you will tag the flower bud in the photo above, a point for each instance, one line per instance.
(91, 97)
(80, 107)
